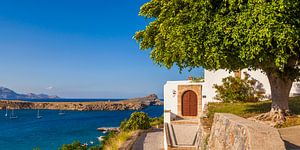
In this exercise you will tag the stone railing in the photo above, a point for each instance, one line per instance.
(230, 132)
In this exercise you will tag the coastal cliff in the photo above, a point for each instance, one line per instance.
(130, 104)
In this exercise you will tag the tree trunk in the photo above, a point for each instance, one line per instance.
(280, 90)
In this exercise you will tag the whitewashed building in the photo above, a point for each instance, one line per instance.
(186, 99)
(184, 102)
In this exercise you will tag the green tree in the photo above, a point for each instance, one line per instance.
(228, 34)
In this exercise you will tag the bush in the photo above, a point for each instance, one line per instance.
(137, 120)
(157, 121)
(235, 89)
(74, 146)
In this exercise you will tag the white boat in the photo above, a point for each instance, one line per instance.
(92, 142)
(12, 115)
(38, 115)
(6, 114)
(101, 138)
(61, 112)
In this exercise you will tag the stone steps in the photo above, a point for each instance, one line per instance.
(182, 135)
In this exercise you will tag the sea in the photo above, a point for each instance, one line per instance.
(50, 132)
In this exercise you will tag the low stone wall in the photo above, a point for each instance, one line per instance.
(230, 132)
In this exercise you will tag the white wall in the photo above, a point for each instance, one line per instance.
(215, 77)
(171, 95)
(170, 99)
(261, 77)
(211, 78)
(295, 90)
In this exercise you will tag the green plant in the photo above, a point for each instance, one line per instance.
(115, 140)
(235, 89)
(137, 120)
(198, 79)
(157, 121)
(76, 145)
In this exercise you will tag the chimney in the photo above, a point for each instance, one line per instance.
(190, 78)
(237, 73)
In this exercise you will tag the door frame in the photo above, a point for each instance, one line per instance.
(197, 88)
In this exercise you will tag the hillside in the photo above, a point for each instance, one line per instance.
(6, 93)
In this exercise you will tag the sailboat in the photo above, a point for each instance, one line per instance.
(6, 114)
(61, 112)
(12, 115)
(38, 114)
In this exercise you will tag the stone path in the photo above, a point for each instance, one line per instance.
(185, 133)
(152, 140)
(291, 137)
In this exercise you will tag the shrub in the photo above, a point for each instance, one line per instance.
(137, 120)
(157, 121)
(197, 79)
(234, 89)
(74, 146)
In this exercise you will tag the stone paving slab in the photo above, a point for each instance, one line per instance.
(291, 137)
(185, 133)
(152, 140)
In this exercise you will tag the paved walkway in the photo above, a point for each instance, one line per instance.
(291, 137)
(185, 133)
(152, 140)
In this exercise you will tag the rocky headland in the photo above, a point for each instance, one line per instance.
(130, 104)
(6, 93)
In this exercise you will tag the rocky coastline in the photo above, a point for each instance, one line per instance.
(130, 104)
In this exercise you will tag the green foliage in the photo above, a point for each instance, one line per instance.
(76, 145)
(157, 121)
(224, 34)
(110, 135)
(137, 120)
(198, 79)
(234, 89)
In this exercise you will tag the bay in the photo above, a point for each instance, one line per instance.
(52, 130)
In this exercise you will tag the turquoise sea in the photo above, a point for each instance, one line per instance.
(52, 130)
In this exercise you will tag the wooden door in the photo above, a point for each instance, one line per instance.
(189, 103)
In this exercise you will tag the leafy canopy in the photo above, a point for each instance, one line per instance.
(224, 34)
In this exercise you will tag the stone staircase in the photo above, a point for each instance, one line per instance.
(182, 134)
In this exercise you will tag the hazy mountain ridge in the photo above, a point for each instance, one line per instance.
(6, 93)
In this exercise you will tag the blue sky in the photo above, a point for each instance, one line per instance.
(78, 49)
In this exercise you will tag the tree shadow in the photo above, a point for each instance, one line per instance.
(259, 107)
(291, 146)
(263, 107)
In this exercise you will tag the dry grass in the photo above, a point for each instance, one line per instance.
(247, 110)
(115, 142)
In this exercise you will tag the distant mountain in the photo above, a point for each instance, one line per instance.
(6, 93)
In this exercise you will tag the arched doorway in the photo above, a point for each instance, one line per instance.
(189, 103)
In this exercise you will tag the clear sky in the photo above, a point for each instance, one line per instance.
(78, 49)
